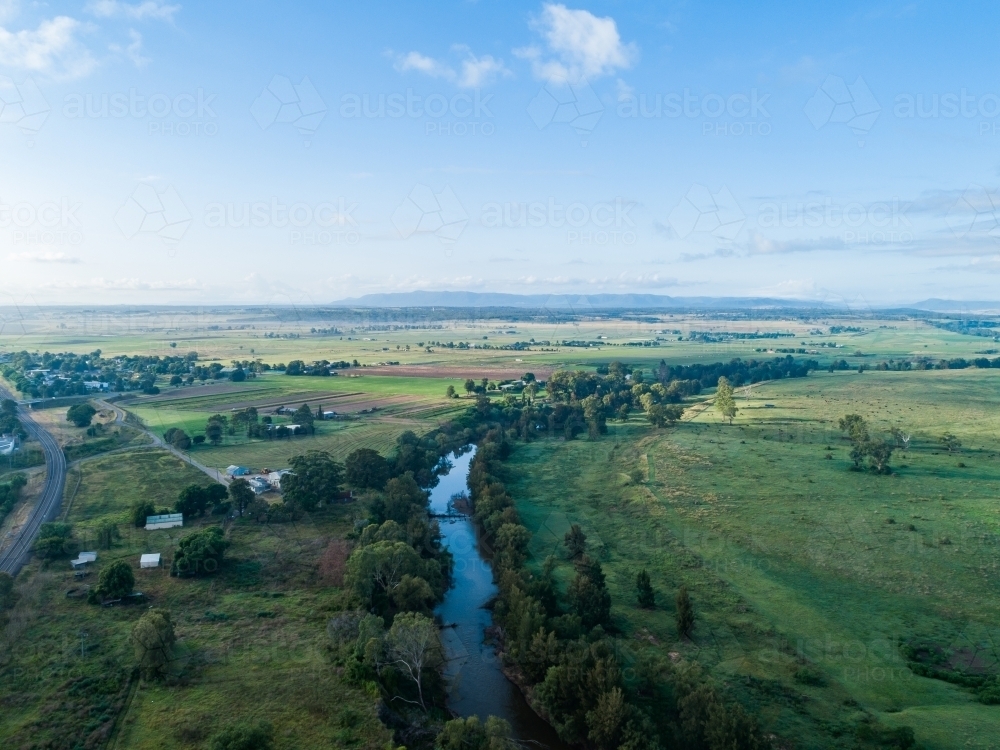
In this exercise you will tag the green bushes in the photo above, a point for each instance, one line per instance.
(366, 469)
(471, 734)
(314, 479)
(10, 493)
(177, 438)
(7, 595)
(199, 553)
(685, 613)
(377, 571)
(153, 641)
(195, 499)
(107, 534)
(876, 450)
(115, 582)
(244, 736)
(644, 590)
(140, 511)
(9, 423)
(562, 649)
(55, 541)
(81, 414)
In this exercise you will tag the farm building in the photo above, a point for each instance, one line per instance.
(8, 444)
(83, 559)
(274, 478)
(259, 485)
(168, 521)
(150, 561)
(237, 471)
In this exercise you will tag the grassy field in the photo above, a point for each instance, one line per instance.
(806, 577)
(402, 403)
(252, 638)
(794, 561)
(280, 334)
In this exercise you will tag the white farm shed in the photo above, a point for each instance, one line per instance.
(150, 560)
(168, 521)
(84, 558)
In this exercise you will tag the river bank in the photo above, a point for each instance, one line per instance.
(477, 684)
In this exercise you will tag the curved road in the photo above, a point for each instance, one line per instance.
(14, 557)
(120, 417)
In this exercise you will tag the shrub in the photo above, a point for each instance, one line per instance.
(54, 541)
(153, 641)
(177, 438)
(809, 676)
(199, 553)
(644, 589)
(685, 613)
(244, 736)
(7, 595)
(140, 510)
(471, 734)
(367, 469)
(107, 534)
(81, 414)
(116, 581)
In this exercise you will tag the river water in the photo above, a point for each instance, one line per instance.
(476, 684)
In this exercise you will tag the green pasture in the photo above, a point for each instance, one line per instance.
(793, 561)
(422, 407)
(251, 639)
(281, 334)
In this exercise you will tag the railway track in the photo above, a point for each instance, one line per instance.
(46, 508)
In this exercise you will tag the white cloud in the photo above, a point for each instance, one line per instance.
(479, 71)
(43, 257)
(134, 50)
(125, 285)
(423, 64)
(149, 9)
(9, 9)
(579, 45)
(473, 71)
(52, 48)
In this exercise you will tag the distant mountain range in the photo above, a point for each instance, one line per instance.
(578, 303)
(955, 306)
(581, 303)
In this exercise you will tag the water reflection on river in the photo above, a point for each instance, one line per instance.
(476, 683)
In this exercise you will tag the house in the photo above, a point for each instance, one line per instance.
(83, 559)
(167, 521)
(96, 385)
(150, 561)
(274, 478)
(259, 485)
(237, 471)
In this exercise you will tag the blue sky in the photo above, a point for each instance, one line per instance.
(158, 152)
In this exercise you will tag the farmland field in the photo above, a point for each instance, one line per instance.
(792, 559)
(811, 583)
(251, 637)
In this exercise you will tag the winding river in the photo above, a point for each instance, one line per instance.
(476, 684)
